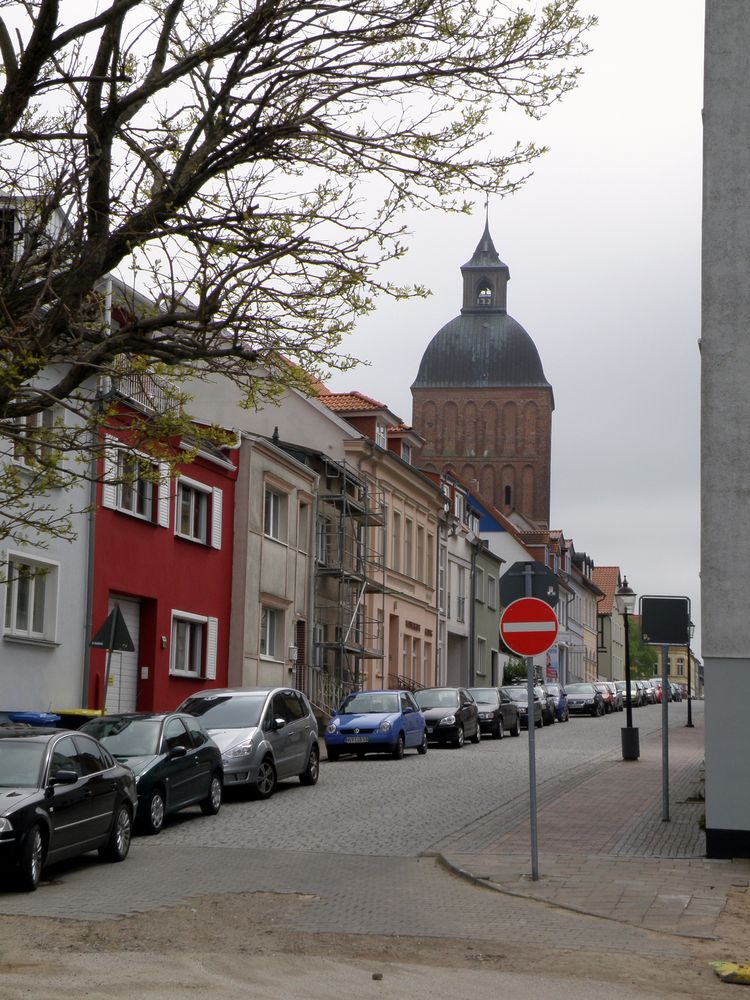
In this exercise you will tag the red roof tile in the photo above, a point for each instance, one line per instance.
(350, 402)
(606, 578)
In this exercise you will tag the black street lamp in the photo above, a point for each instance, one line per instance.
(625, 604)
(691, 633)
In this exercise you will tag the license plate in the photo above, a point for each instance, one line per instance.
(357, 739)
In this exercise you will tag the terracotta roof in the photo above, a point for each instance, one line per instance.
(350, 402)
(607, 579)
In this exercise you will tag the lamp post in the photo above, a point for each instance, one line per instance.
(689, 723)
(625, 604)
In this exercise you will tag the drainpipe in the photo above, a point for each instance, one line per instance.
(472, 613)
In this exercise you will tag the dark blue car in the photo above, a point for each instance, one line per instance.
(376, 722)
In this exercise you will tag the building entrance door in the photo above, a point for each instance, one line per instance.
(122, 690)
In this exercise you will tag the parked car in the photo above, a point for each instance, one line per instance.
(560, 697)
(451, 715)
(549, 709)
(497, 713)
(648, 696)
(61, 794)
(608, 698)
(376, 722)
(653, 691)
(616, 696)
(676, 691)
(635, 692)
(175, 762)
(518, 694)
(584, 699)
(264, 734)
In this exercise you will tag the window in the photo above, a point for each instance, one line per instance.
(31, 599)
(396, 553)
(408, 546)
(194, 645)
(420, 553)
(415, 644)
(380, 435)
(192, 512)
(430, 572)
(32, 447)
(135, 493)
(175, 735)
(274, 515)
(322, 529)
(508, 496)
(91, 757)
(427, 661)
(491, 593)
(271, 633)
(461, 594)
(405, 651)
(680, 667)
(319, 637)
(484, 295)
(479, 585)
(134, 484)
(303, 526)
(406, 451)
(458, 506)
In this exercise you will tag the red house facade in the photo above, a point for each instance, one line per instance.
(163, 554)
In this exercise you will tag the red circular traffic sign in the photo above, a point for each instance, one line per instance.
(528, 626)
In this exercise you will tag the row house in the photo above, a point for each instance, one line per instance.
(610, 626)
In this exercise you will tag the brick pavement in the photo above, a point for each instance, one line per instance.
(604, 848)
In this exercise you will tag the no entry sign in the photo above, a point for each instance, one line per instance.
(528, 626)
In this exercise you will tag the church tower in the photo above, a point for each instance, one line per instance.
(480, 398)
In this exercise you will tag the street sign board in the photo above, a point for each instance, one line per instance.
(544, 583)
(113, 634)
(528, 626)
(665, 621)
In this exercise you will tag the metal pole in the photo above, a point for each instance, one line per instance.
(629, 736)
(531, 729)
(665, 734)
(689, 722)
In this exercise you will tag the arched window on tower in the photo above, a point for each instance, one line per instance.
(484, 295)
(508, 496)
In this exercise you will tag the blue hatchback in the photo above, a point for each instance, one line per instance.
(376, 722)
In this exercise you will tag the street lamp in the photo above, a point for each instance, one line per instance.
(691, 633)
(625, 604)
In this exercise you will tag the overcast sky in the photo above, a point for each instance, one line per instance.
(603, 245)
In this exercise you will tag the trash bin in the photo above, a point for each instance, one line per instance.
(35, 718)
(74, 718)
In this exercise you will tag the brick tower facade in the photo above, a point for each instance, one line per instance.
(480, 398)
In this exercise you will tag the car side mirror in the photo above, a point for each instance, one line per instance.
(278, 723)
(66, 776)
(176, 752)
(407, 710)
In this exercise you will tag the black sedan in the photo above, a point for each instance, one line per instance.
(584, 699)
(61, 794)
(451, 715)
(497, 713)
(176, 763)
(518, 694)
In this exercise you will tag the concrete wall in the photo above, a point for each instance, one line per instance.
(725, 433)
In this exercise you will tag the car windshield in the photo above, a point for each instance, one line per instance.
(553, 689)
(125, 737)
(487, 696)
(370, 702)
(621, 685)
(226, 711)
(20, 763)
(515, 692)
(576, 689)
(437, 699)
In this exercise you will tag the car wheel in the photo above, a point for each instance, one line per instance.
(540, 723)
(398, 750)
(459, 740)
(498, 732)
(332, 753)
(265, 780)
(567, 715)
(31, 860)
(153, 817)
(422, 748)
(517, 730)
(310, 775)
(478, 734)
(212, 803)
(118, 845)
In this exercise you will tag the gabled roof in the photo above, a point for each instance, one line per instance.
(607, 579)
(350, 402)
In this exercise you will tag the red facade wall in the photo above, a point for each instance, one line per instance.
(142, 560)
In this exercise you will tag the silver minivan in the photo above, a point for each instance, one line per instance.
(265, 735)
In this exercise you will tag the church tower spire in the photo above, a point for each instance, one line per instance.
(485, 278)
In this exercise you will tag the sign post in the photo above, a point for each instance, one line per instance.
(528, 627)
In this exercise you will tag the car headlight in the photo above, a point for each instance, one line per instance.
(384, 727)
(6, 826)
(332, 727)
(243, 749)
(449, 720)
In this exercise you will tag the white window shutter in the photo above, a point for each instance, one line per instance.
(216, 518)
(164, 490)
(109, 487)
(212, 635)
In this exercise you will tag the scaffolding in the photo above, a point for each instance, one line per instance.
(349, 570)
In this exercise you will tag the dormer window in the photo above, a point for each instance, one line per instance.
(406, 452)
(380, 435)
(484, 295)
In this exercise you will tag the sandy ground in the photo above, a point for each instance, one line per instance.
(237, 946)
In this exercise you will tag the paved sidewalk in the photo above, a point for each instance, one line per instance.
(603, 846)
